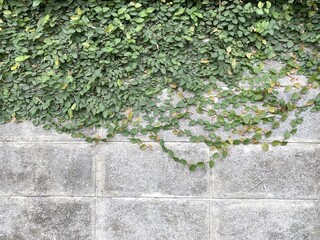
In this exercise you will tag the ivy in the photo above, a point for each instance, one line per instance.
(71, 65)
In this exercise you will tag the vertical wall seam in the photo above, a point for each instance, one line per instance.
(95, 193)
(211, 234)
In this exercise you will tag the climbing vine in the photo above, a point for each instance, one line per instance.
(137, 68)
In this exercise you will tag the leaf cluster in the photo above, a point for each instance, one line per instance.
(74, 64)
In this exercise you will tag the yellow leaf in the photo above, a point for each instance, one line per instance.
(204, 61)
(272, 84)
(271, 109)
(79, 11)
(180, 95)
(130, 115)
(309, 103)
(297, 85)
(73, 107)
(109, 28)
(75, 17)
(234, 63)
(14, 67)
(64, 86)
(56, 61)
(249, 55)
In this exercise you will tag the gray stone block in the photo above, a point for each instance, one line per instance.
(292, 171)
(26, 131)
(266, 220)
(46, 218)
(125, 170)
(133, 219)
(46, 169)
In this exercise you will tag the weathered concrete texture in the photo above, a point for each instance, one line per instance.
(46, 169)
(55, 187)
(132, 219)
(26, 131)
(308, 131)
(46, 219)
(124, 170)
(266, 220)
(291, 172)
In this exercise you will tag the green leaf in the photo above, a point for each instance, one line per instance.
(275, 143)
(265, 146)
(215, 156)
(268, 4)
(121, 10)
(286, 135)
(139, 20)
(211, 163)
(295, 96)
(260, 5)
(150, 9)
(290, 44)
(224, 153)
(246, 119)
(36, 3)
(211, 112)
(201, 164)
(22, 58)
(258, 97)
(192, 167)
(287, 89)
(143, 146)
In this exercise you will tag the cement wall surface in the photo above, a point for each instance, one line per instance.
(55, 187)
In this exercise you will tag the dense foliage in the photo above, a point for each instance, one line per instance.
(76, 64)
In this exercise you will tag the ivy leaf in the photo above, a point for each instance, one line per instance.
(211, 112)
(211, 163)
(260, 5)
(215, 156)
(258, 97)
(275, 143)
(265, 147)
(246, 119)
(121, 10)
(287, 89)
(286, 135)
(150, 9)
(290, 44)
(295, 96)
(192, 167)
(36, 3)
(201, 164)
(139, 20)
(22, 58)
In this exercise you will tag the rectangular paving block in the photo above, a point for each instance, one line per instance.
(266, 220)
(133, 219)
(291, 172)
(46, 218)
(46, 169)
(125, 170)
(26, 131)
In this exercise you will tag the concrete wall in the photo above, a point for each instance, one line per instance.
(55, 187)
